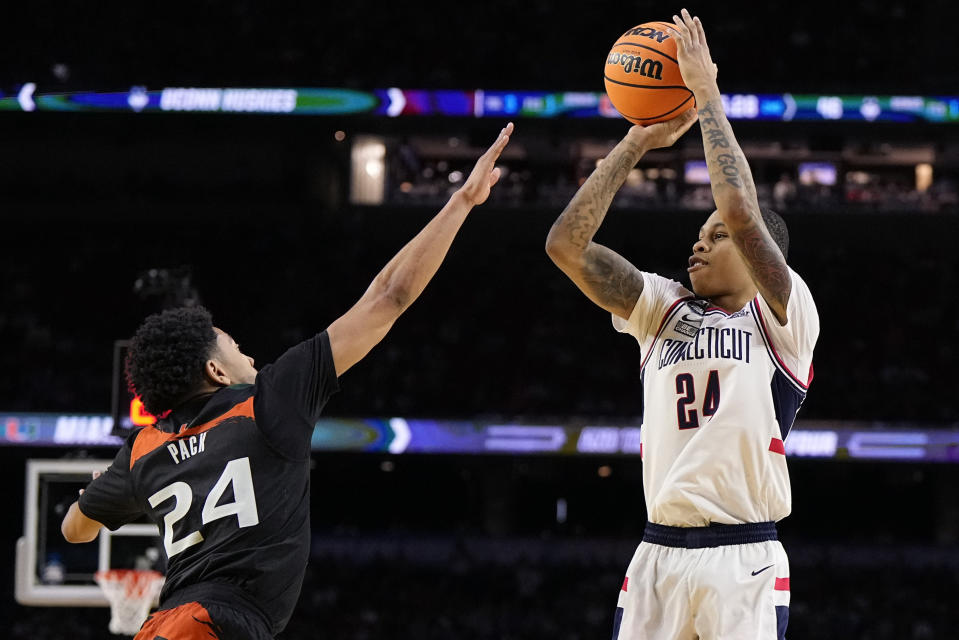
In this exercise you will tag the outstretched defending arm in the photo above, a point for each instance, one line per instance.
(603, 275)
(403, 279)
(732, 182)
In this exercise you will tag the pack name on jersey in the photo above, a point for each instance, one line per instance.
(710, 342)
(185, 448)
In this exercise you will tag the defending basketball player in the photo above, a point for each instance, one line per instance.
(724, 370)
(225, 473)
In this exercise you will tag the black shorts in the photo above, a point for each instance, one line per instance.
(204, 621)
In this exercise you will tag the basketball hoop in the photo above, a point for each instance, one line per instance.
(131, 593)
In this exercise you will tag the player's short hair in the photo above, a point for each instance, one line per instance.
(167, 354)
(777, 229)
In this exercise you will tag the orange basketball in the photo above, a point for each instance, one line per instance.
(642, 75)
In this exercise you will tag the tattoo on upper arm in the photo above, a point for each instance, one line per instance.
(765, 262)
(612, 280)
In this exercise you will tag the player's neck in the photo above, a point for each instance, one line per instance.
(734, 301)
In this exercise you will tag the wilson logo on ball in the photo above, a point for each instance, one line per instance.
(636, 64)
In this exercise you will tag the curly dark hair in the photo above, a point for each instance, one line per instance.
(166, 356)
(777, 229)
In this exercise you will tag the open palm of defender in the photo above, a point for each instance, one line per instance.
(485, 174)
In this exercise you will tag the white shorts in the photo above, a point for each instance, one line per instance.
(685, 586)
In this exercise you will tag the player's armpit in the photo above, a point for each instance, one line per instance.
(606, 277)
(762, 256)
(77, 527)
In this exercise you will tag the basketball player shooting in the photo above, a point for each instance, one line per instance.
(225, 473)
(724, 369)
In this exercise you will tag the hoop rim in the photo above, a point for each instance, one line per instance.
(136, 583)
(119, 574)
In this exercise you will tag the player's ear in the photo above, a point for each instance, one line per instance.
(215, 374)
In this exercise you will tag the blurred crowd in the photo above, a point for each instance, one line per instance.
(417, 180)
(477, 595)
(543, 596)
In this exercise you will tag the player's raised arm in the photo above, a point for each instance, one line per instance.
(603, 275)
(403, 279)
(732, 182)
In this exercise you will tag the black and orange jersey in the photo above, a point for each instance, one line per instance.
(228, 486)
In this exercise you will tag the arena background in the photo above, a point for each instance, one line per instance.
(110, 215)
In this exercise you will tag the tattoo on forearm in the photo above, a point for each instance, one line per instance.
(580, 227)
(614, 282)
(721, 157)
(588, 207)
(608, 278)
(727, 165)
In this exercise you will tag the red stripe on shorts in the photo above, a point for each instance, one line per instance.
(625, 583)
(776, 446)
(190, 621)
(782, 584)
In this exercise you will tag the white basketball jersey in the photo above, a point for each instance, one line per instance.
(720, 393)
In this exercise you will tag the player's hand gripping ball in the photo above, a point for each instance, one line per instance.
(642, 75)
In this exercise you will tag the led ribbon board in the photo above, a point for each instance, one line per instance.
(478, 103)
(809, 438)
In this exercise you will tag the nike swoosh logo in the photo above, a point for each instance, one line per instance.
(756, 573)
(689, 318)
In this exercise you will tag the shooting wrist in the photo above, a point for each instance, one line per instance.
(637, 141)
(706, 91)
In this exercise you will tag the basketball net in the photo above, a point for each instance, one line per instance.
(131, 593)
